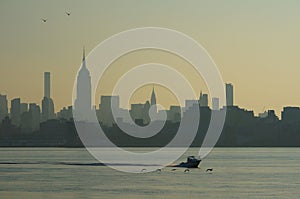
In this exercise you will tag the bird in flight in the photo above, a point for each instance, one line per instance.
(68, 13)
(44, 20)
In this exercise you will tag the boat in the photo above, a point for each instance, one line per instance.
(192, 162)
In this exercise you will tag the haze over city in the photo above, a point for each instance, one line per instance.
(254, 44)
(151, 99)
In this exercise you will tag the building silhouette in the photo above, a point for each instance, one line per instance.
(174, 114)
(146, 117)
(47, 102)
(137, 112)
(65, 113)
(109, 104)
(15, 111)
(47, 84)
(140, 113)
(229, 94)
(32, 119)
(83, 101)
(190, 103)
(153, 100)
(241, 129)
(215, 103)
(290, 114)
(203, 100)
(3, 107)
(24, 108)
(35, 111)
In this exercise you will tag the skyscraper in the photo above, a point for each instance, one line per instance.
(215, 103)
(47, 84)
(153, 100)
(35, 112)
(24, 107)
(47, 102)
(3, 107)
(229, 94)
(15, 111)
(83, 101)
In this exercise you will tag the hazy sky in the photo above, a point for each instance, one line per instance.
(256, 44)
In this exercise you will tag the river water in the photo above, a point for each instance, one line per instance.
(74, 173)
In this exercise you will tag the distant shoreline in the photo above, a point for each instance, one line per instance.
(149, 147)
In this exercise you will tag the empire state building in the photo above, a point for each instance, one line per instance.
(83, 102)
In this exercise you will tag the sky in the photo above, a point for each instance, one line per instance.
(255, 44)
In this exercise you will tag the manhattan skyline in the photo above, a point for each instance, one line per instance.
(141, 95)
(254, 44)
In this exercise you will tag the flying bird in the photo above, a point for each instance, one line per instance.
(68, 13)
(44, 20)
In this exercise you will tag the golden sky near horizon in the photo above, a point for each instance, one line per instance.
(255, 44)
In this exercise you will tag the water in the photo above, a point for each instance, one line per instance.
(238, 173)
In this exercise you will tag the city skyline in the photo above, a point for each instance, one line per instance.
(15, 107)
(83, 104)
(48, 112)
(254, 44)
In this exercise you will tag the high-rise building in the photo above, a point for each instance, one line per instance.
(3, 107)
(24, 107)
(35, 112)
(137, 112)
(290, 114)
(15, 111)
(203, 100)
(47, 84)
(25, 118)
(229, 94)
(47, 109)
(109, 104)
(83, 101)
(153, 100)
(47, 102)
(215, 103)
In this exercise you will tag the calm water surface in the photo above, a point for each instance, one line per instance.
(66, 173)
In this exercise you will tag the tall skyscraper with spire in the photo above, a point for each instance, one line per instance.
(153, 99)
(47, 102)
(83, 101)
